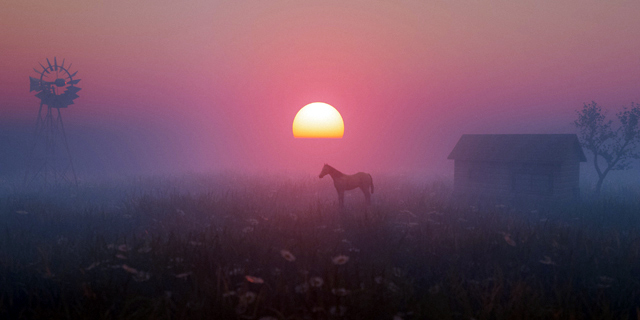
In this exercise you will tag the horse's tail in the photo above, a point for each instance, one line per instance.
(371, 180)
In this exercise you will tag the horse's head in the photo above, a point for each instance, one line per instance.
(325, 170)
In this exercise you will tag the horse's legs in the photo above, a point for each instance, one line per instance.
(367, 195)
(341, 198)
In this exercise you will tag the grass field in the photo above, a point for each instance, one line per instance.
(239, 247)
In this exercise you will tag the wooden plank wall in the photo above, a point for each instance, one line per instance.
(496, 179)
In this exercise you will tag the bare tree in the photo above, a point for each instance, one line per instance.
(616, 146)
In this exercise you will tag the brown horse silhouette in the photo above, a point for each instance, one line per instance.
(344, 182)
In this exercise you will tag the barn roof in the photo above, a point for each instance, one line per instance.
(536, 148)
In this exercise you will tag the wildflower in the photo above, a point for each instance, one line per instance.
(409, 213)
(180, 212)
(397, 272)
(195, 243)
(253, 279)
(144, 249)
(129, 269)
(378, 279)
(340, 260)
(340, 292)
(547, 261)
(268, 318)
(228, 294)
(120, 256)
(184, 275)
(123, 248)
(252, 222)
(393, 287)
(316, 282)
(398, 317)
(235, 271)
(302, 288)
(508, 239)
(22, 212)
(287, 255)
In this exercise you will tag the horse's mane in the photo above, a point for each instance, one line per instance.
(334, 170)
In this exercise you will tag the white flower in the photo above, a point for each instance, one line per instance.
(340, 260)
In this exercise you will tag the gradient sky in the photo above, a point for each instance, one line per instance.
(211, 85)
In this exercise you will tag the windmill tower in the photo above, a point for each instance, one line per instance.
(50, 161)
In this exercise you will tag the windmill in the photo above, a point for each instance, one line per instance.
(50, 160)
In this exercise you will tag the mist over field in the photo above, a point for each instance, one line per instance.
(178, 190)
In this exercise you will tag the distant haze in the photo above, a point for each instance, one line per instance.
(183, 86)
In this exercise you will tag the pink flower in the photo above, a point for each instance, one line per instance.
(340, 260)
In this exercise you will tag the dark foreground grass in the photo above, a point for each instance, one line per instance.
(243, 248)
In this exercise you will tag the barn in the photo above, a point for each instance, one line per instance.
(518, 166)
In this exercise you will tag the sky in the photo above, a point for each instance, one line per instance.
(205, 86)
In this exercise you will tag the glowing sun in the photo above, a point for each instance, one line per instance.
(318, 120)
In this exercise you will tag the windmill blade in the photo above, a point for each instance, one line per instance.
(49, 64)
(43, 67)
(55, 63)
(37, 71)
(62, 66)
(74, 74)
(72, 82)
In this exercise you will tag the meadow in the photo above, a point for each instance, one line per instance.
(241, 247)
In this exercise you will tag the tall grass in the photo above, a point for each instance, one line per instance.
(212, 247)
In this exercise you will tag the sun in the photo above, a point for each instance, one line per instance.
(318, 120)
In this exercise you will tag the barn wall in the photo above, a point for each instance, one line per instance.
(567, 181)
(558, 181)
(482, 178)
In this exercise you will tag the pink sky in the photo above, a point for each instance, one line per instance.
(217, 83)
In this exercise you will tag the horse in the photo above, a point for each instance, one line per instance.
(344, 182)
